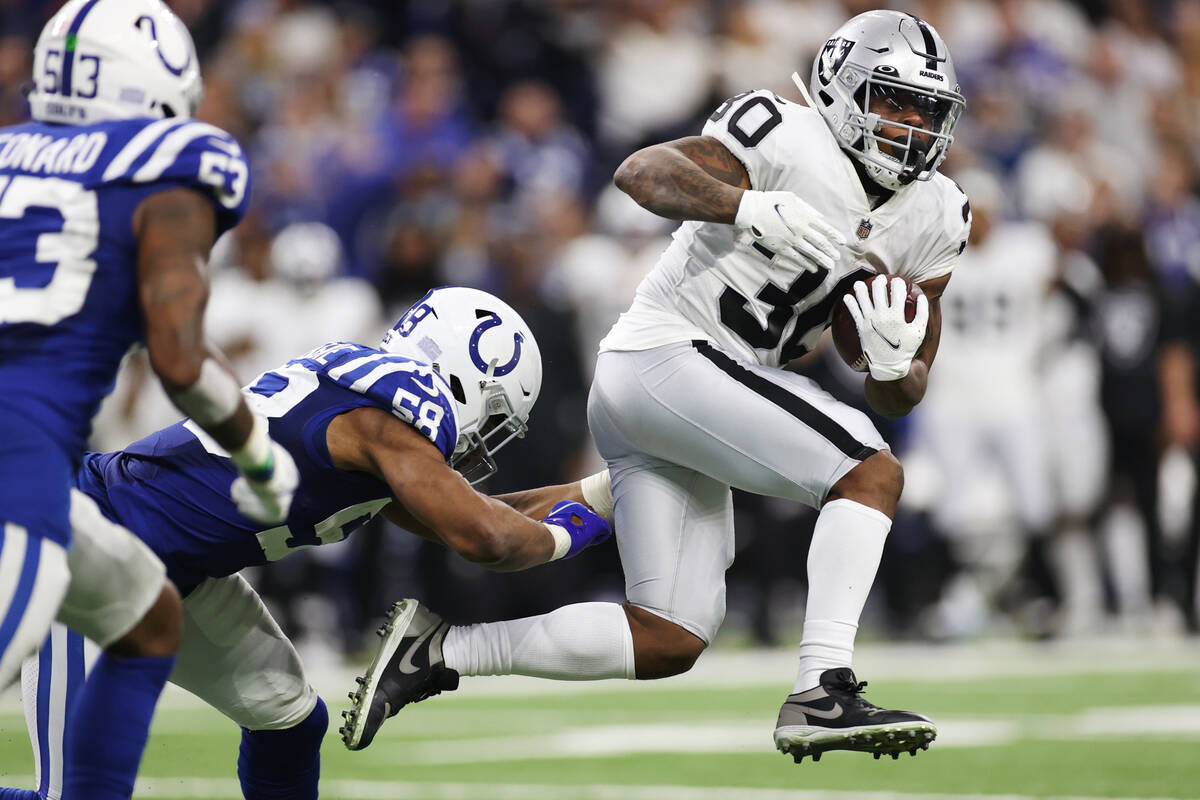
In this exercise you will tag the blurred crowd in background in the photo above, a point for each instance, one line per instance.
(397, 146)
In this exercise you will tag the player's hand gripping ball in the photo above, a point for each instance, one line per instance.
(845, 330)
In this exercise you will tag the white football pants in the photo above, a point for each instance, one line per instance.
(679, 425)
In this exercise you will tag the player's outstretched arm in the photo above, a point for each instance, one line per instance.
(175, 230)
(537, 502)
(435, 501)
(594, 491)
(898, 397)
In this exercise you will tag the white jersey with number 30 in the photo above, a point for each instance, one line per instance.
(715, 283)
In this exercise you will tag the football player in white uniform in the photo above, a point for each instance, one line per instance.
(785, 208)
(983, 411)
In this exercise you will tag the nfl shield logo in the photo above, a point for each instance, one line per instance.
(864, 229)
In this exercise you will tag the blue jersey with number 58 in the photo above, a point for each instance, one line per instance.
(69, 307)
(172, 488)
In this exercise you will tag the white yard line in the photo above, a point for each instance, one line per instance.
(876, 662)
(873, 662)
(221, 789)
(445, 743)
(726, 736)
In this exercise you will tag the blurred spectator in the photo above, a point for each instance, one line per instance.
(16, 56)
(982, 416)
(1172, 221)
(1128, 319)
(1076, 431)
(756, 47)
(286, 297)
(596, 265)
(655, 73)
(537, 151)
(1073, 169)
(1180, 376)
(416, 140)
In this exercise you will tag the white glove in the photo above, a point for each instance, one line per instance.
(790, 228)
(888, 342)
(268, 500)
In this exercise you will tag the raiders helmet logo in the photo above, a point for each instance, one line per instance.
(832, 56)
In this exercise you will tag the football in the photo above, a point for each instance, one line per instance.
(845, 334)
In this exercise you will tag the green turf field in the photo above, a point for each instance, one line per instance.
(1015, 721)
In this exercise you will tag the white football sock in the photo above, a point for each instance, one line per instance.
(1123, 534)
(846, 547)
(580, 642)
(1077, 568)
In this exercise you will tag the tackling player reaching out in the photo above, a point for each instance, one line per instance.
(373, 430)
(784, 209)
(109, 203)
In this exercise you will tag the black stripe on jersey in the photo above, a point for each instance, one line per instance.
(838, 436)
(930, 45)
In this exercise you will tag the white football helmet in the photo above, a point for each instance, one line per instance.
(98, 60)
(307, 254)
(488, 356)
(902, 59)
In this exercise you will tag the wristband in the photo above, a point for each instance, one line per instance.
(213, 398)
(562, 541)
(597, 493)
(254, 458)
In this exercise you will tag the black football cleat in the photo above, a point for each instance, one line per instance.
(834, 716)
(407, 669)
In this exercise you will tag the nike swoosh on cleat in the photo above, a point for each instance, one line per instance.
(893, 345)
(406, 663)
(832, 713)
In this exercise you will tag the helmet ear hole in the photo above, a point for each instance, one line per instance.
(168, 111)
(456, 388)
(824, 97)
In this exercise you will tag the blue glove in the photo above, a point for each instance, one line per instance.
(591, 529)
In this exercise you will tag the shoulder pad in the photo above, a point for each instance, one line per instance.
(405, 387)
(184, 152)
(957, 212)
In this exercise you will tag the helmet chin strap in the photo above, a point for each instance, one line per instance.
(796, 79)
(910, 174)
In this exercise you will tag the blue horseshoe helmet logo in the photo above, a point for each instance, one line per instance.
(493, 319)
(176, 71)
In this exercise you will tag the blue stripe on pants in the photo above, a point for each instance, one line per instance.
(45, 677)
(29, 571)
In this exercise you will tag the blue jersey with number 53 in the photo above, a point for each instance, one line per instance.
(172, 488)
(69, 307)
